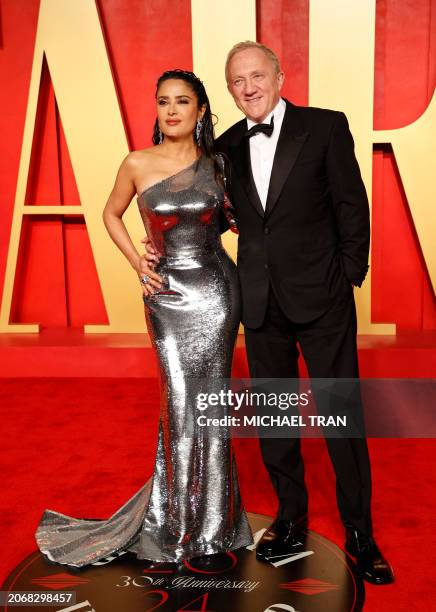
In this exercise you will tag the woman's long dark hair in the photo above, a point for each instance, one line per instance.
(206, 139)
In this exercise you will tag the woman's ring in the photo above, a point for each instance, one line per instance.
(144, 279)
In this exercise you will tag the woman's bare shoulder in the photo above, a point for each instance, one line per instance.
(140, 156)
(144, 167)
(144, 161)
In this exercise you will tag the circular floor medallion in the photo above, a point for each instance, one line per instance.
(316, 577)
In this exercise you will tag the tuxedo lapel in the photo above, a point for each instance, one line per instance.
(290, 142)
(241, 164)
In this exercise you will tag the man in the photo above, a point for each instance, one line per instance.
(303, 220)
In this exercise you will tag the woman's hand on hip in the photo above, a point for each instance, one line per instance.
(149, 279)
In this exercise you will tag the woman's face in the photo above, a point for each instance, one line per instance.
(177, 108)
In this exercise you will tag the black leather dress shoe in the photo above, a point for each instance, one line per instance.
(281, 537)
(371, 564)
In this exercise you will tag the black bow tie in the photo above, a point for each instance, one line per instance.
(266, 128)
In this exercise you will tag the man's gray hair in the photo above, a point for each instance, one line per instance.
(250, 44)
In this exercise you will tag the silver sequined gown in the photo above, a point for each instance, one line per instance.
(191, 505)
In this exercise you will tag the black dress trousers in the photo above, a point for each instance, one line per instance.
(328, 345)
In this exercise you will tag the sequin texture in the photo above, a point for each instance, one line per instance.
(191, 506)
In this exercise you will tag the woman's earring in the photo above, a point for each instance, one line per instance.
(198, 130)
(160, 136)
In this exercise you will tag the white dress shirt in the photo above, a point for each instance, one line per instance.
(263, 148)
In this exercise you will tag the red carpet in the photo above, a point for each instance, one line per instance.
(83, 446)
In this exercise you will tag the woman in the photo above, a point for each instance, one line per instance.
(191, 506)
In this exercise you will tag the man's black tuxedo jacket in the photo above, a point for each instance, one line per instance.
(312, 241)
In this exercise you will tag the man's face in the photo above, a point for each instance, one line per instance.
(254, 83)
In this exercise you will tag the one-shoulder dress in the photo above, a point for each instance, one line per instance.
(191, 506)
